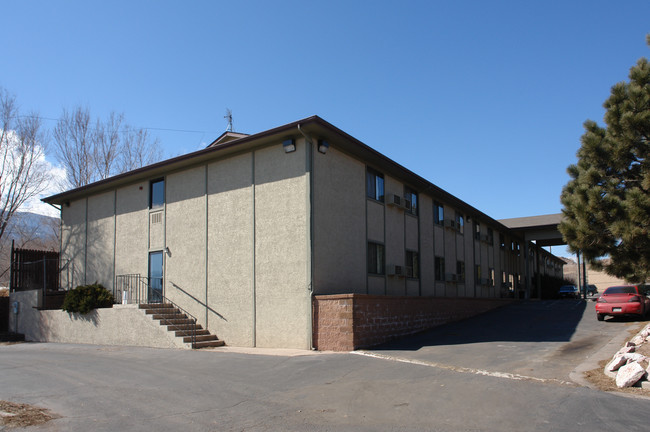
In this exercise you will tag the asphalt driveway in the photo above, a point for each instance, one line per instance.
(546, 340)
(104, 388)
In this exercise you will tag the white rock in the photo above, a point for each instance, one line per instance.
(626, 350)
(637, 340)
(617, 362)
(634, 357)
(629, 375)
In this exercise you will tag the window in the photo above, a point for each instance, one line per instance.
(477, 274)
(460, 223)
(412, 196)
(477, 231)
(438, 213)
(376, 258)
(440, 268)
(412, 265)
(157, 193)
(375, 185)
(502, 241)
(491, 272)
(460, 270)
(490, 236)
(518, 248)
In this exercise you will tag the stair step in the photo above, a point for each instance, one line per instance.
(177, 321)
(182, 326)
(155, 306)
(189, 333)
(168, 316)
(207, 344)
(162, 311)
(200, 338)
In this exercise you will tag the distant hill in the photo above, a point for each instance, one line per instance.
(34, 230)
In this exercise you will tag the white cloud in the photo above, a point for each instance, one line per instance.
(57, 178)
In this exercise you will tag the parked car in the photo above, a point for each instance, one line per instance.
(568, 291)
(623, 300)
(592, 290)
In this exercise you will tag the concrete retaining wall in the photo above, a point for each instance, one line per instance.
(120, 325)
(349, 321)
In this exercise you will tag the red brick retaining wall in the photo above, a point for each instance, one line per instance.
(346, 322)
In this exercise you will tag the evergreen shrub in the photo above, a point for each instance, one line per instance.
(85, 298)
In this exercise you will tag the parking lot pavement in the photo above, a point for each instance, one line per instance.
(105, 388)
(540, 339)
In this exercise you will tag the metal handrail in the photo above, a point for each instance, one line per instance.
(124, 291)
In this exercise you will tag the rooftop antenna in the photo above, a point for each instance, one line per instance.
(229, 117)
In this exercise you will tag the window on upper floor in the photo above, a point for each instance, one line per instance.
(411, 196)
(375, 185)
(460, 223)
(490, 236)
(477, 231)
(438, 213)
(376, 258)
(502, 241)
(157, 193)
(412, 265)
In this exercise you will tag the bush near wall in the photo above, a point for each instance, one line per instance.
(85, 298)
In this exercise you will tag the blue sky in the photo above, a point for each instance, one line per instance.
(484, 99)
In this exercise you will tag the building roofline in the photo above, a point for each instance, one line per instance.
(365, 152)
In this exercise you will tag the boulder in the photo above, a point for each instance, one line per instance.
(637, 340)
(634, 357)
(617, 362)
(626, 349)
(629, 375)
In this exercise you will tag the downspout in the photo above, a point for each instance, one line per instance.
(310, 267)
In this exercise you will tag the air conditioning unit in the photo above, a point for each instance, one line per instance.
(409, 272)
(395, 270)
(449, 223)
(395, 200)
(451, 277)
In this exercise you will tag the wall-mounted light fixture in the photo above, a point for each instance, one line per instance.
(323, 146)
(167, 251)
(289, 145)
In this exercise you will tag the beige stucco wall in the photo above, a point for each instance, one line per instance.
(73, 243)
(395, 241)
(101, 239)
(427, 258)
(340, 223)
(231, 243)
(120, 325)
(185, 236)
(282, 255)
(131, 238)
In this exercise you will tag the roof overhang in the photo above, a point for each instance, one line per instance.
(543, 229)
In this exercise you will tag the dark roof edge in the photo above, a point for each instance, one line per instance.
(60, 196)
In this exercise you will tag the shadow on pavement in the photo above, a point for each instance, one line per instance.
(529, 321)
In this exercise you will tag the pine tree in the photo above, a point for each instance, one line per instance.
(607, 201)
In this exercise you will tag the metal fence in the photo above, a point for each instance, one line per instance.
(137, 289)
(34, 269)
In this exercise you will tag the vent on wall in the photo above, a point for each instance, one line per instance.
(156, 218)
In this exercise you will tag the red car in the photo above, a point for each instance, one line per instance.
(623, 300)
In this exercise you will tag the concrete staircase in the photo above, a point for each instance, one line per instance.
(182, 326)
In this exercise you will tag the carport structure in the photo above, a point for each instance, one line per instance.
(543, 231)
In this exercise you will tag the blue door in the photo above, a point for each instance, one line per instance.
(155, 291)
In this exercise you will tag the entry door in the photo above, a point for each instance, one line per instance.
(155, 277)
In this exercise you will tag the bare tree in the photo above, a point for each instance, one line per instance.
(94, 153)
(23, 173)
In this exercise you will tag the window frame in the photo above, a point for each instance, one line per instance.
(460, 270)
(379, 266)
(438, 213)
(412, 259)
(152, 183)
(439, 269)
(373, 176)
(460, 223)
(408, 195)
